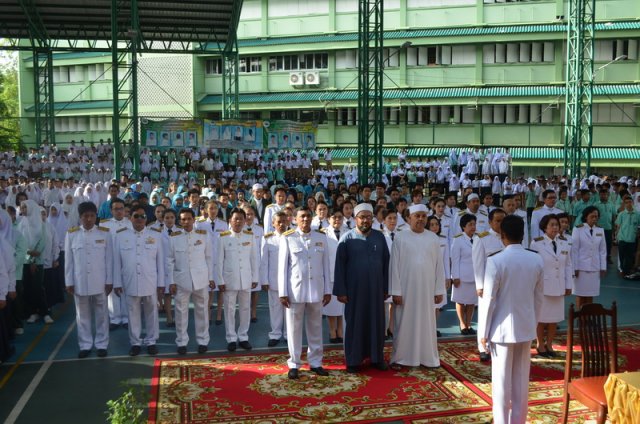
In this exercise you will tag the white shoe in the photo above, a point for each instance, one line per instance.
(48, 319)
(19, 331)
(33, 318)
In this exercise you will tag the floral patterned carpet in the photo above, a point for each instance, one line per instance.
(255, 388)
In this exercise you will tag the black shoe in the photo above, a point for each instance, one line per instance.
(254, 320)
(353, 369)
(551, 354)
(125, 325)
(152, 350)
(320, 371)
(542, 354)
(245, 345)
(171, 324)
(472, 331)
(273, 342)
(102, 353)
(293, 374)
(113, 327)
(484, 357)
(202, 349)
(438, 333)
(83, 353)
(389, 335)
(464, 331)
(382, 366)
(333, 340)
(231, 347)
(218, 322)
(182, 350)
(339, 340)
(134, 351)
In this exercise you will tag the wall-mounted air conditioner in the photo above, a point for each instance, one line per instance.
(296, 78)
(312, 78)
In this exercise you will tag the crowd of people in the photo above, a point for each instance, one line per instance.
(379, 260)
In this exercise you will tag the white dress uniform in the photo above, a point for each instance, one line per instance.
(513, 286)
(268, 216)
(589, 257)
(446, 228)
(446, 257)
(139, 268)
(482, 221)
(191, 268)
(303, 276)
(488, 242)
(269, 276)
(523, 214)
(214, 229)
(88, 268)
(537, 215)
(258, 233)
(118, 310)
(238, 269)
(558, 276)
(462, 269)
(333, 308)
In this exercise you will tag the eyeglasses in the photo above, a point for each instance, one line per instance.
(139, 216)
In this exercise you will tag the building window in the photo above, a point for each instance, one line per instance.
(607, 50)
(71, 124)
(249, 64)
(308, 61)
(213, 67)
(518, 114)
(518, 52)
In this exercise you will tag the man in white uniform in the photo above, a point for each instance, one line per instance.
(88, 277)
(118, 312)
(191, 268)
(473, 208)
(269, 275)
(280, 196)
(238, 270)
(139, 271)
(304, 286)
(549, 197)
(416, 284)
(513, 287)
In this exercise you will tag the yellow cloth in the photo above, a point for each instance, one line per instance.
(623, 397)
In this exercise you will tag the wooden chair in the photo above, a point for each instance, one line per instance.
(599, 345)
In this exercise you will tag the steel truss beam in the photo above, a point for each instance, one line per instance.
(370, 102)
(578, 129)
(230, 104)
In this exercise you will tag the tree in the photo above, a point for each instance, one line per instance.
(10, 135)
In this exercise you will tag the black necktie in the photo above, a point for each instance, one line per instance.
(555, 248)
(591, 231)
(213, 226)
(392, 236)
(381, 226)
(349, 224)
(249, 229)
(337, 232)
(169, 230)
(471, 240)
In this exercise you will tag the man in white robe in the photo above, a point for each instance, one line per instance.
(416, 280)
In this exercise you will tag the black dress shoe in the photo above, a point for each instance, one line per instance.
(464, 331)
(182, 350)
(254, 320)
(102, 353)
(152, 350)
(382, 366)
(113, 327)
(339, 340)
(472, 331)
(202, 349)
(438, 333)
(333, 340)
(484, 357)
(171, 324)
(83, 353)
(542, 353)
(245, 345)
(320, 371)
(293, 374)
(125, 325)
(134, 351)
(353, 369)
(218, 322)
(273, 342)
(231, 347)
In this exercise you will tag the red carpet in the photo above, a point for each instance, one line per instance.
(255, 388)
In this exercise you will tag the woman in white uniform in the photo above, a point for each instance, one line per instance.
(463, 292)
(334, 310)
(555, 252)
(589, 256)
(434, 225)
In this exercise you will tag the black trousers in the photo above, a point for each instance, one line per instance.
(35, 299)
(627, 254)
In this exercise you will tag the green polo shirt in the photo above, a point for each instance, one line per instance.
(531, 199)
(564, 205)
(607, 212)
(628, 223)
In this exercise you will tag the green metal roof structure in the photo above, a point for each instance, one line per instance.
(89, 104)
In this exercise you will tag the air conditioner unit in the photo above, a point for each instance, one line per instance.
(312, 78)
(296, 78)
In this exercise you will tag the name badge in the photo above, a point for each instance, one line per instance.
(319, 243)
(101, 241)
(246, 243)
(150, 240)
(198, 243)
(598, 234)
(564, 252)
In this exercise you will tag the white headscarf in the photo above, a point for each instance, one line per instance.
(59, 223)
(31, 225)
(73, 218)
(6, 227)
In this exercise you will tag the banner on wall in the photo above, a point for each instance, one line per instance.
(233, 134)
(290, 134)
(171, 133)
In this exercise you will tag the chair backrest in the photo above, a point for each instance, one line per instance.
(598, 341)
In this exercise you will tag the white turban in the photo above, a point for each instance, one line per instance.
(361, 208)
(472, 196)
(417, 208)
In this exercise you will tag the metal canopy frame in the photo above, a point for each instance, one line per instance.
(125, 28)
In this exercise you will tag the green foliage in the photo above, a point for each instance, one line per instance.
(129, 408)
(10, 136)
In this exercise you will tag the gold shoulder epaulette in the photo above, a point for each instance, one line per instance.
(105, 220)
(321, 231)
(462, 213)
(491, 254)
(122, 229)
(73, 229)
(538, 239)
(269, 234)
(457, 235)
(288, 233)
(562, 238)
(225, 233)
(156, 229)
(482, 212)
(271, 205)
(440, 235)
(539, 207)
(201, 232)
(483, 234)
(176, 233)
(105, 229)
(201, 219)
(579, 225)
(247, 232)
